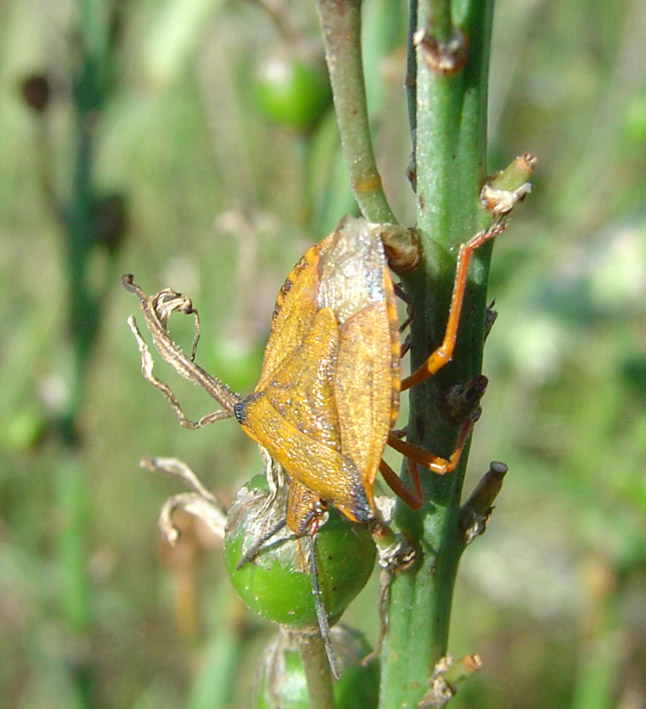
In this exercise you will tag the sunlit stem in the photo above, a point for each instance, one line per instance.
(451, 168)
(341, 24)
(320, 686)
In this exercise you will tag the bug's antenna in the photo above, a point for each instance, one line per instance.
(321, 616)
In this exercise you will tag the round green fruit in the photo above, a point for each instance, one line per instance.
(276, 582)
(292, 91)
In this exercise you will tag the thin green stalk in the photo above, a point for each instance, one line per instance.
(341, 24)
(212, 684)
(602, 641)
(438, 18)
(411, 71)
(320, 688)
(72, 506)
(450, 167)
(71, 476)
(91, 86)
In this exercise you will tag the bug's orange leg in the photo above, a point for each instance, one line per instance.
(434, 463)
(413, 498)
(444, 353)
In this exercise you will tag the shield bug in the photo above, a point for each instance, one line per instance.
(328, 393)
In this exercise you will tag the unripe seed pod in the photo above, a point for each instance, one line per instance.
(276, 581)
(292, 89)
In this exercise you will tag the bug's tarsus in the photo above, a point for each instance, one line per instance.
(491, 315)
(405, 346)
(416, 456)
(436, 463)
(410, 310)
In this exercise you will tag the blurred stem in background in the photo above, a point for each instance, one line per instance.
(92, 221)
(601, 635)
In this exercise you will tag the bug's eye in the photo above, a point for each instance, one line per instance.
(238, 411)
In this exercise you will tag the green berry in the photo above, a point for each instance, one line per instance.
(291, 91)
(277, 583)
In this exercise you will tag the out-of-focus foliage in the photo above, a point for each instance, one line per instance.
(221, 206)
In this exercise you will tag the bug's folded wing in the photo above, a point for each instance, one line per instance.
(365, 389)
(292, 317)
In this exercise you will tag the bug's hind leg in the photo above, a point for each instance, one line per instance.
(413, 496)
(435, 463)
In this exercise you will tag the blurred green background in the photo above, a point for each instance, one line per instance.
(219, 201)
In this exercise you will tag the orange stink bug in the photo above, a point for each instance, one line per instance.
(328, 393)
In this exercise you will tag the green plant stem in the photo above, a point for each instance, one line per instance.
(320, 688)
(602, 636)
(213, 682)
(451, 167)
(72, 506)
(438, 18)
(73, 500)
(71, 484)
(341, 24)
(411, 71)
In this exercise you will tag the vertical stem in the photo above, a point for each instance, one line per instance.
(411, 71)
(438, 18)
(317, 670)
(602, 638)
(72, 506)
(451, 167)
(341, 24)
(90, 91)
